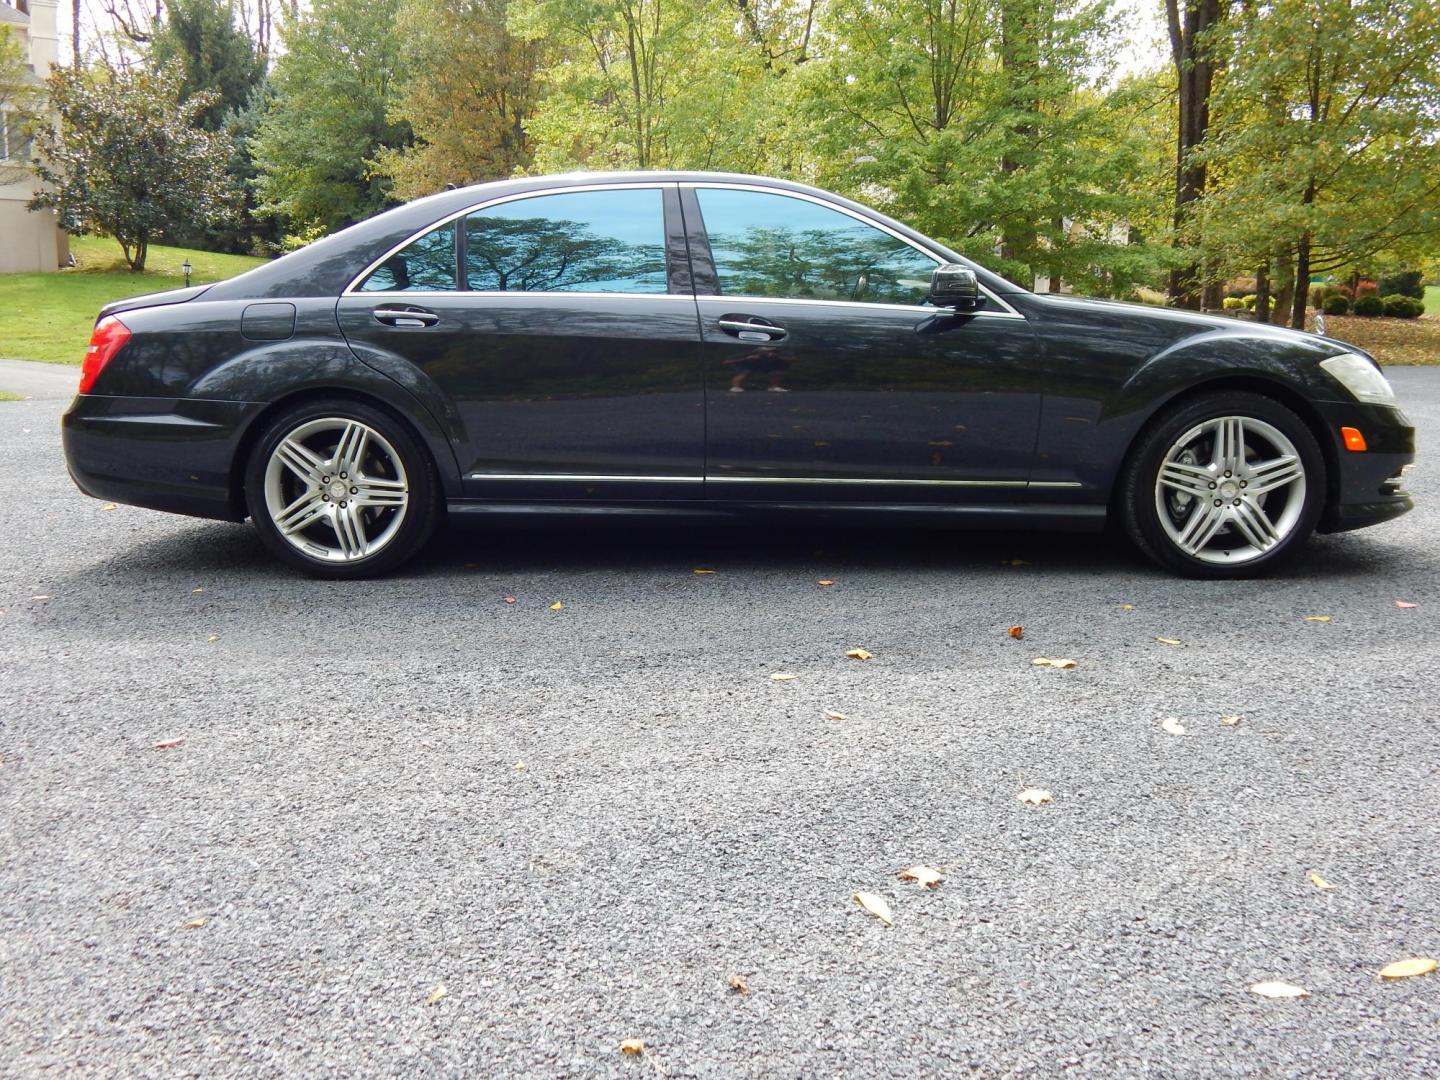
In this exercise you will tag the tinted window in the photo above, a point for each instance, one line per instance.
(427, 264)
(584, 241)
(773, 245)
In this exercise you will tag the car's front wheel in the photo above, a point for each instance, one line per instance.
(1228, 484)
(341, 489)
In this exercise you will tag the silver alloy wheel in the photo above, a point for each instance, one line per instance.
(1230, 489)
(336, 489)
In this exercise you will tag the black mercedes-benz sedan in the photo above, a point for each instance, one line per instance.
(695, 343)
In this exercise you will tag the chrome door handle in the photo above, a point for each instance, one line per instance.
(405, 316)
(751, 329)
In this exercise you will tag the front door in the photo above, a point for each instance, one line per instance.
(567, 344)
(828, 375)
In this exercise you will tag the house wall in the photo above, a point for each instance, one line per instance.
(31, 241)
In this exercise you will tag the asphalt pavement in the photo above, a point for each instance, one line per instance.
(413, 829)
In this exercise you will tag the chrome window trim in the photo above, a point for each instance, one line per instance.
(416, 295)
(707, 478)
(657, 185)
(1008, 312)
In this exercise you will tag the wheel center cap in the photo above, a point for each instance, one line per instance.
(1229, 489)
(338, 490)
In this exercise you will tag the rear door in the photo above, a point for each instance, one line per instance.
(561, 327)
(831, 377)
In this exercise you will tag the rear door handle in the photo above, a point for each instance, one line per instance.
(751, 328)
(405, 316)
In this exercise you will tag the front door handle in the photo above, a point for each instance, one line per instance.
(751, 328)
(406, 316)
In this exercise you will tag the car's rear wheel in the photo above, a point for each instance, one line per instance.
(1225, 485)
(341, 489)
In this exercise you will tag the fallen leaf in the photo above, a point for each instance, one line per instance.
(738, 984)
(1319, 882)
(1046, 661)
(197, 590)
(1279, 990)
(169, 744)
(41, 597)
(1168, 640)
(520, 766)
(831, 714)
(1127, 607)
(510, 599)
(859, 654)
(702, 571)
(1405, 604)
(1409, 968)
(634, 1047)
(783, 676)
(1036, 796)
(876, 906)
(1231, 721)
(436, 994)
(926, 876)
(213, 637)
(826, 582)
(556, 606)
(108, 506)
(1017, 632)
(194, 924)
(1317, 618)
(1173, 726)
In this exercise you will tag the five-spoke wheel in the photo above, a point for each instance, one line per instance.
(342, 490)
(1224, 485)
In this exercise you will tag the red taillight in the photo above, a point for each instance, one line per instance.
(108, 338)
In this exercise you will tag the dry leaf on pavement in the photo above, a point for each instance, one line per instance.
(1317, 618)
(1017, 632)
(1036, 796)
(108, 506)
(1173, 726)
(859, 654)
(1231, 721)
(436, 994)
(926, 876)
(702, 571)
(212, 638)
(510, 599)
(1168, 640)
(1405, 604)
(831, 714)
(876, 906)
(1408, 968)
(1127, 607)
(519, 766)
(825, 581)
(194, 924)
(632, 1046)
(1064, 664)
(556, 606)
(738, 984)
(1319, 882)
(783, 676)
(169, 744)
(1279, 990)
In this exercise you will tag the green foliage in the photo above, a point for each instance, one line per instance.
(1399, 306)
(126, 159)
(335, 87)
(1405, 282)
(1335, 305)
(1369, 306)
(199, 38)
(1233, 303)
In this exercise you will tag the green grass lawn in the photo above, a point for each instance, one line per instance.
(1432, 299)
(49, 316)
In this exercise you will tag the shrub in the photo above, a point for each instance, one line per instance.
(1335, 305)
(1369, 305)
(1233, 303)
(1249, 301)
(1367, 288)
(1403, 283)
(1399, 306)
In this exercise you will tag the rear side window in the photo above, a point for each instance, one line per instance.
(772, 245)
(426, 264)
(582, 241)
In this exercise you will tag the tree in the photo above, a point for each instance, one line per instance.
(127, 161)
(201, 39)
(336, 87)
(469, 89)
(20, 101)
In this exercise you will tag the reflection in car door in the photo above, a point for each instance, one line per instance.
(827, 375)
(567, 344)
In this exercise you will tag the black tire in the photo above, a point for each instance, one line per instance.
(417, 519)
(1138, 491)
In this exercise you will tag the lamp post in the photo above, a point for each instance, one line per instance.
(186, 267)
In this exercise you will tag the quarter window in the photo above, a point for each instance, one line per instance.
(583, 241)
(766, 244)
(426, 264)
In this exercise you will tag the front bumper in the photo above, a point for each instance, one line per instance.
(1367, 488)
(174, 454)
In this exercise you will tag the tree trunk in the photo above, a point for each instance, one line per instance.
(1285, 276)
(1262, 292)
(1302, 283)
(75, 34)
(1196, 74)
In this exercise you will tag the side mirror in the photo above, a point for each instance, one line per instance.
(955, 286)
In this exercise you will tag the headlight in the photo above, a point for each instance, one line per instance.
(1361, 377)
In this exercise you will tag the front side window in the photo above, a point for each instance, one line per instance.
(581, 241)
(426, 264)
(766, 244)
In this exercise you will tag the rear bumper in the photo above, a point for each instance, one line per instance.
(173, 454)
(1368, 488)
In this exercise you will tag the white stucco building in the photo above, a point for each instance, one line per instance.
(29, 240)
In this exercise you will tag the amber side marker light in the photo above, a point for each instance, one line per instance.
(1354, 441)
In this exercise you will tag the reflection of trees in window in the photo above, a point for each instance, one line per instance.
(427, 265)
(553, 255)
(821, 264)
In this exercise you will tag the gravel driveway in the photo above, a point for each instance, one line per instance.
(582, 822)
